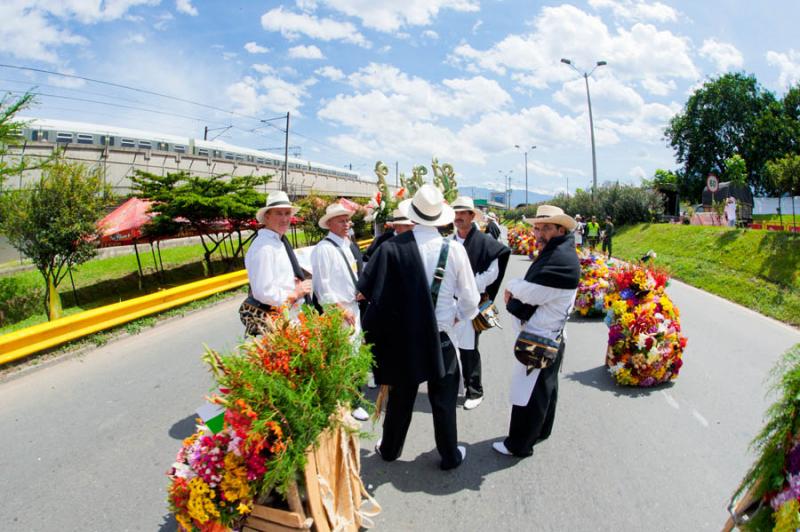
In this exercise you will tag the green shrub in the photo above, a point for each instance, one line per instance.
(19, 298)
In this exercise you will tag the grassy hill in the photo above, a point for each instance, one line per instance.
(757, 269)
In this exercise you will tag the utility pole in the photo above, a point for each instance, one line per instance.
(396, 174)
(205, 133)
(286, 157)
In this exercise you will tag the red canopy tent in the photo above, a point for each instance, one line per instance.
(123, 225)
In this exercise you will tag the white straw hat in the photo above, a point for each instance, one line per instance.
(333, 210)
(275, 200)
(550, 214)
(465, 203)
(400, 214)
(428, 207)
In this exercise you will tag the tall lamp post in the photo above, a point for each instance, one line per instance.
(586, 75)
(526, 170)
(507, 183)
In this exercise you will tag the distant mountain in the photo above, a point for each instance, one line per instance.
(517, 196)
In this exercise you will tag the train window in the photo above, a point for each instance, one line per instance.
(163, 146)
(260, 160)
(240, 157)
(229, 155)
(43, 135)
(145, 144)
(64, 137)
(203, 152)
(34, 135)
(180, 148)
(85, 138)
(127, 143)
(107, 140)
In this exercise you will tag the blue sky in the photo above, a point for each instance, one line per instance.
(405, 80)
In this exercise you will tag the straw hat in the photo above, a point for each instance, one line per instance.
(333, 210)
(465, 203)
(275, 200)
(550, 214)
(428, 207)
(400, 214)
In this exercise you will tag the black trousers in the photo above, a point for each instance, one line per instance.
(442, 394)
(607, 246)
(471, 366)
(533, 423)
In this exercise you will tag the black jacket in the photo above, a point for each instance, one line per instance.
(400, 322)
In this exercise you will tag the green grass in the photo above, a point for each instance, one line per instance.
(757, 269)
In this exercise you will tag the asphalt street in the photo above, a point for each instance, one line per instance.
(86, 441)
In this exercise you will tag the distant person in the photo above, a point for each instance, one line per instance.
(275, 276)
(492, 227)
(730, 211)
(578, 233)
(608, 233)
(593, 233)
(400, 220)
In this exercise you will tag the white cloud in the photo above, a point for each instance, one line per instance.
(637, 10)
(724, 55)
(332, 73)
(134, 38)
(641, 51)
(788, 64)
(637, 172)
(263, 68)
(658, 87)
(254, 48)
(186, 7)
(390, 15)
(476, 26)
(163, 20)
(270, 93)
(227, 56)
(305, 52)
(430, 34)
(82, 11)
(293, 25)
(66, 82)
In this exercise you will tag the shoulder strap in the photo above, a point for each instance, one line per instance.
(344, 258)
(438, 273)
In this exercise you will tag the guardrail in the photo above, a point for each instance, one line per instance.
(25, 342)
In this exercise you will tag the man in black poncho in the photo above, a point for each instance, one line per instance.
(492, 227)
(488, 259)
(541, 302)
(416, 284)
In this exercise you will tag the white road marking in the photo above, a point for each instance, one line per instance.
(699, 417)
(671, 400)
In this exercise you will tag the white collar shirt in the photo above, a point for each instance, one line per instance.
(458, 294)
(464, 331)
(269, 270)
(332, 281)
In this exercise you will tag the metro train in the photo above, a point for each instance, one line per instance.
(79, 133)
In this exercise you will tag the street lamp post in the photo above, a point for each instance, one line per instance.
(507, 183)
(526, 170)
(591, 120)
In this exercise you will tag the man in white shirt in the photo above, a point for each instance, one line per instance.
(542, 302)
(411, 329)
(488, 259)
(578, 232)
(275, 276)
(730, 211)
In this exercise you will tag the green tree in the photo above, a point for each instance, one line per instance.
(735, 169)
(784, 173)
(216, 207)
(729, 115)
(10, 133)
(54, 223)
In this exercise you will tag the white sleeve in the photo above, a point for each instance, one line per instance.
(486, 278)
(262, 279)
(466, 288)
(532, 293)
(323, 263)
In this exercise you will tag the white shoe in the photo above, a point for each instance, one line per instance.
(378, 447)
(371, 381)
(469, 404)
(463, 451)
(360, 414)
(500, 447)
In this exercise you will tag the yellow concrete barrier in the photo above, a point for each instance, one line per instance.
(30, 340)
(24, 342)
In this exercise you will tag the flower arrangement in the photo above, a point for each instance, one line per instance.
(769, 496)
(593, 284)
(645, 344)
(521, 240)
(279, 393)
(383, 203)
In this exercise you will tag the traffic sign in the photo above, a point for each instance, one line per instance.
(712, 183)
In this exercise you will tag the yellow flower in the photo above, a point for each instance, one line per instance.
(243, 508)
(640, 278)
(201, 507)
(620, 307)
(627, 319)
(787, 518)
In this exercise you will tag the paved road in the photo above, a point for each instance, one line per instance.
(86, 441)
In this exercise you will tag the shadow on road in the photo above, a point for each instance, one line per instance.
(599, 378)
(169, 524)
(184, 428)
(422, 473)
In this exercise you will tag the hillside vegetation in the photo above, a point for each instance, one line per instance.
(757, 269)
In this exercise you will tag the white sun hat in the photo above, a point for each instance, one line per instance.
(550, 214)
(428, 207)
(333, 210)
(275, 200)
(465, 203)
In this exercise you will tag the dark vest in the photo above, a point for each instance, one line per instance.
(482, 249)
